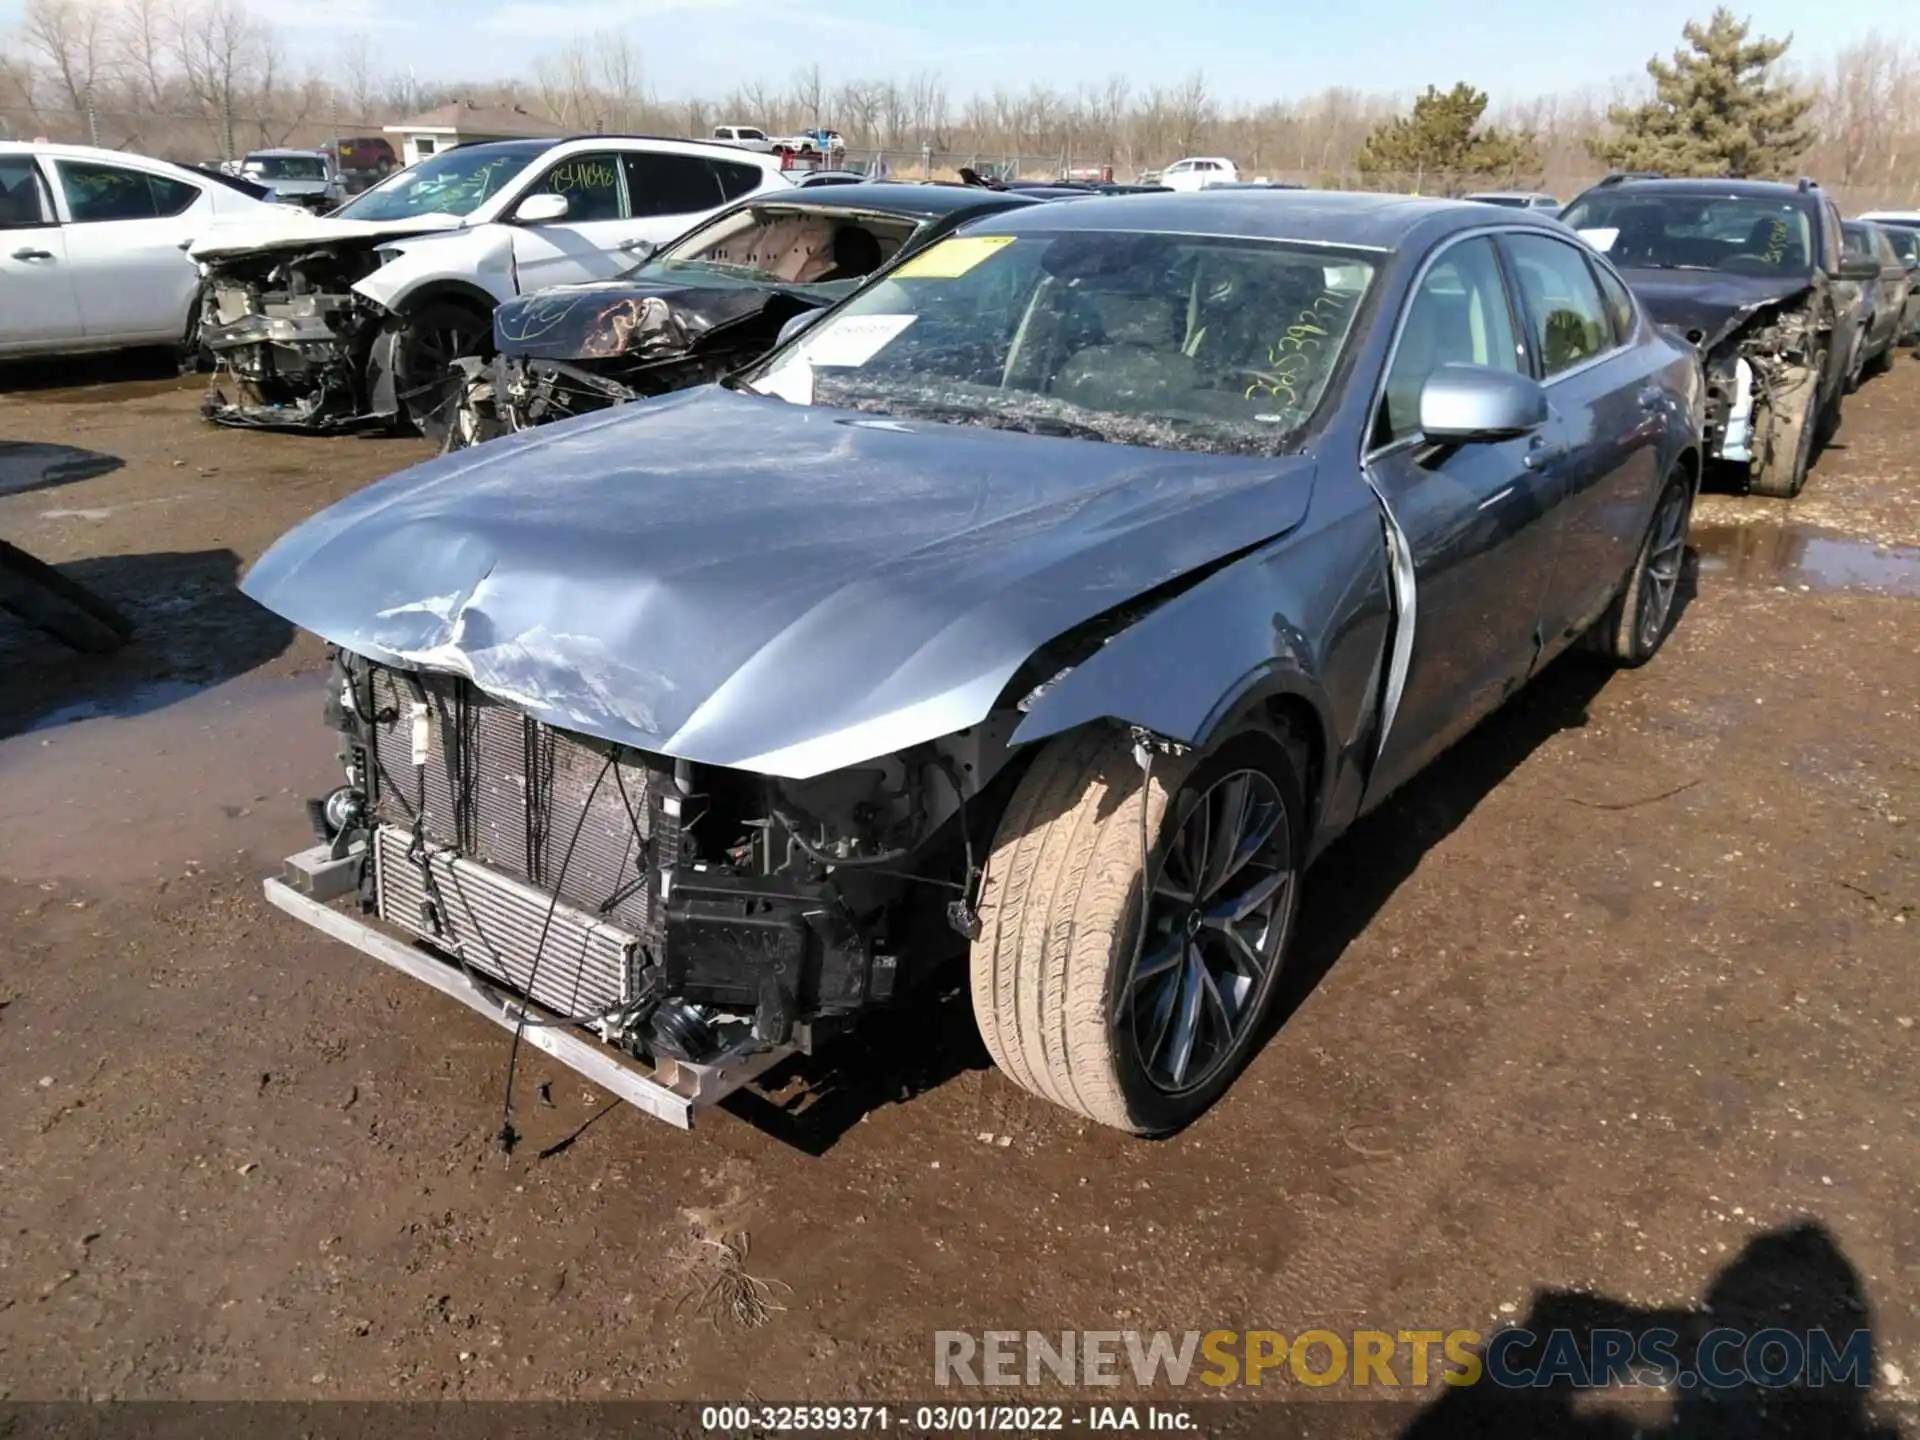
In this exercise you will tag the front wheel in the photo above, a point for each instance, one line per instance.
(1135, 927)
(427, 381)
(1786, 422)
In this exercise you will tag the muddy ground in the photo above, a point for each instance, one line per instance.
(1612, 1013)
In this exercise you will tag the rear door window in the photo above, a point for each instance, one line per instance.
(1619, 303)
(735, 180)
(670, 184)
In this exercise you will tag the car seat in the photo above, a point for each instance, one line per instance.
(856, 252)
(1136, 356)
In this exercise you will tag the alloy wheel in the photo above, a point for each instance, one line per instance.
(1665, 555)
(1217, 920)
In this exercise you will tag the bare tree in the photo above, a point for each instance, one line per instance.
(222, 49)
(70, 35)
(809, 95)
(360, 82)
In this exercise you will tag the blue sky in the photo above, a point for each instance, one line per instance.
(1250, 49)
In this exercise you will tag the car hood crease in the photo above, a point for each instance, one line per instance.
(1716, 305)
(743, 582)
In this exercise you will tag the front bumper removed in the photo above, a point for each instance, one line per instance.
(675, 1091)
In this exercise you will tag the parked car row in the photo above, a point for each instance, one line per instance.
(1043, 607)
(1788, 305)
(93, 246)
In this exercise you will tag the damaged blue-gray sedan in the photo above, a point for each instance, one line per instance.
(1045, 607)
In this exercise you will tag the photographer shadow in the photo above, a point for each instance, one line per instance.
(1794, 1280)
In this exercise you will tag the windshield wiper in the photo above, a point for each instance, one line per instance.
(991, 419)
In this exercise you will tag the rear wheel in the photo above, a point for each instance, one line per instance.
(1140, 1026)
(1636, 624)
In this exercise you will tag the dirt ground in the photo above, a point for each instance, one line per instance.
(1612, 1014)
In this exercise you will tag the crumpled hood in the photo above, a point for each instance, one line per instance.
(1712, 303)
(648, 317)
(303, 230)
(744, 582)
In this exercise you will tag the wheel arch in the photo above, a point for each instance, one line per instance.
(450, 290)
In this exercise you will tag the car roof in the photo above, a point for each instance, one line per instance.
(1510, 195)
(1326, 217)
(893, 198)
(281, 151)
(57, 151)
(1756, 189)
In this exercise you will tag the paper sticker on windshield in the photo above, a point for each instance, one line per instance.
(951, 259)
(1601, 238)
(853, 339)
(792, 382)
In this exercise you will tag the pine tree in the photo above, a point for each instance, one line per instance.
(1438, 148)
(1717, 110)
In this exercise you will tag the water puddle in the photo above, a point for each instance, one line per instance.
(166, 779)
(1805, 557)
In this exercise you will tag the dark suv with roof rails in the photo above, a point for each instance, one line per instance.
(1754, 274)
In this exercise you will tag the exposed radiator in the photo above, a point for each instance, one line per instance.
(586, 968)
(509, 792)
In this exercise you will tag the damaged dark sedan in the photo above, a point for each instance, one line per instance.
(1754, 275)
(703, 306)
(1045, 610)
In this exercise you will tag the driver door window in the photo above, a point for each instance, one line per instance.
(23, 197)
(592, 185)
(1458, 315)
(1566, 318)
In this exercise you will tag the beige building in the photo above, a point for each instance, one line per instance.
(462, 123)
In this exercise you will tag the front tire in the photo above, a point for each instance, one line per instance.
(426, 380)
(1781, 472)
(1072, 1005)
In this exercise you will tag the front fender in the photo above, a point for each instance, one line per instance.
(1305, 617)
(471, 262)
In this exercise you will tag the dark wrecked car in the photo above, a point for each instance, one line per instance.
(1754, 275)
(700, 308)
(1046, 608)
(354, 320)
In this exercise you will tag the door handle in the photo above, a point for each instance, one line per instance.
(1539, 452)
(27, 252)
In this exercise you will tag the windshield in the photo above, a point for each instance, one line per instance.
(1742, 235)
(1178, 342)
(785, 243)
(455, 183)
(286, 167)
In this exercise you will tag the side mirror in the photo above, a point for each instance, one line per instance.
(1473, 404)
(795, 325)
(541, 209)
(1859, 267)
